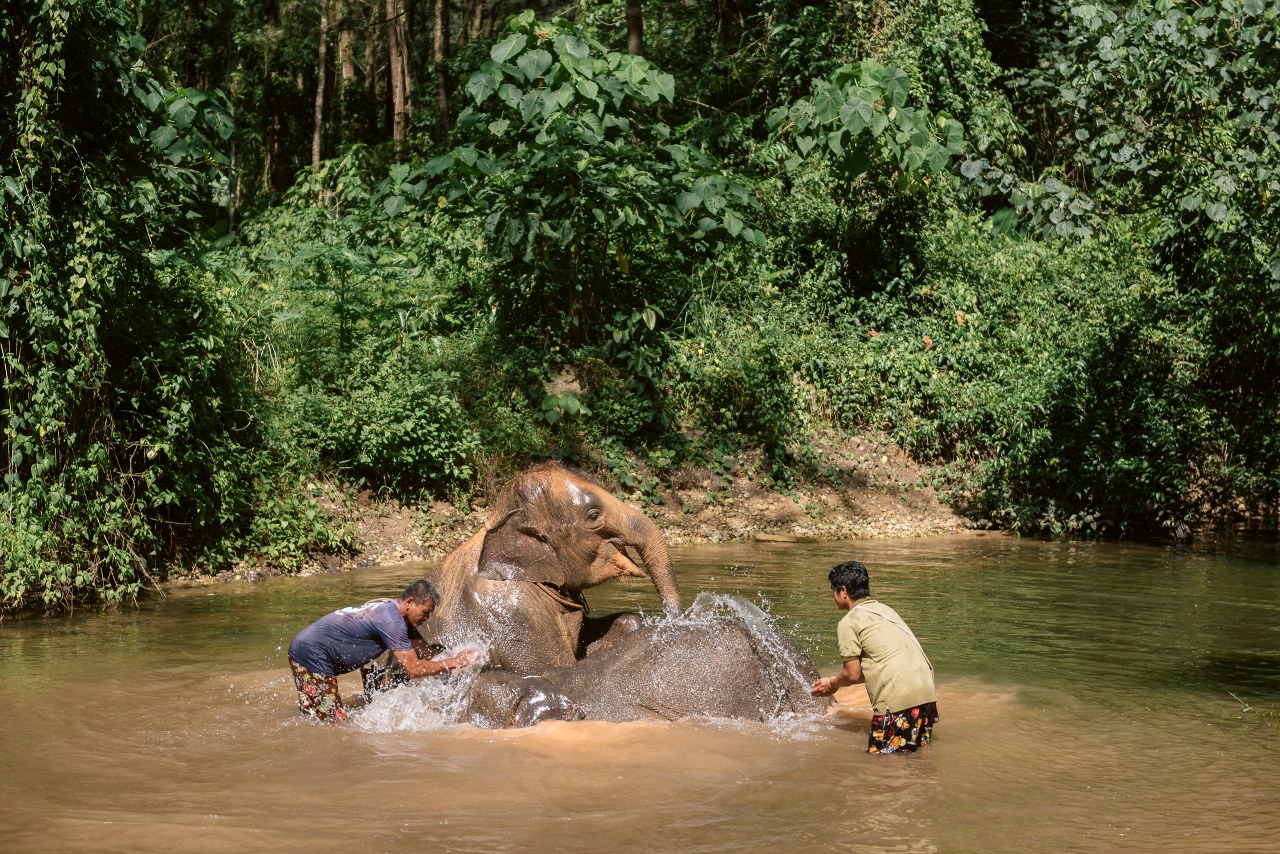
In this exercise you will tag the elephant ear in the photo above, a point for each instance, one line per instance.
(516, 550)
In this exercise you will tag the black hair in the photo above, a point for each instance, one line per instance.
(851, 577)
(420, 591)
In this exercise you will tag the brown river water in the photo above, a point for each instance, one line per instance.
(1094, 697)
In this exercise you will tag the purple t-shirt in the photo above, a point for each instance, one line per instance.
(342, 641)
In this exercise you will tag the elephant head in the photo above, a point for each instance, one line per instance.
(552, 526)
(552, 534)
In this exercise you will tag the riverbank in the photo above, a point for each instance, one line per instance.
(867, 488)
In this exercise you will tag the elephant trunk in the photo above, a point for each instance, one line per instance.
(652, 547)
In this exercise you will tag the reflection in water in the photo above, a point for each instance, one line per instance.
(1088, 696)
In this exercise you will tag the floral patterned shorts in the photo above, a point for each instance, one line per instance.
(903, 732)
(317, 694)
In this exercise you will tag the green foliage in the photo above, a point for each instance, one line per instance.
(393, 422)
(1057, 391)
(577, 189)
(734, 376)
(859, 118)
(1158, 118)
(592, 268)
(940, 49)
(1166, 113)
(351, 322)
(122, 408)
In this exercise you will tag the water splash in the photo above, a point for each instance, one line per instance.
(438, 703)
(787, 669)
(759, 622)
(428, 703)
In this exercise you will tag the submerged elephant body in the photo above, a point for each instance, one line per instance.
(712, 668)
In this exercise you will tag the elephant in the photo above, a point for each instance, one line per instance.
(710, 666)
(516, 584)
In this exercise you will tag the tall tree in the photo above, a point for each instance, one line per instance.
(438, 57)
(322, 75)
(113, 370)
(635, 28)
(399, 68)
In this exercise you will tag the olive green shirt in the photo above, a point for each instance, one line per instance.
(898, 674)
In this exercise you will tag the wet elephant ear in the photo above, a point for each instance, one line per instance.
(515, 550)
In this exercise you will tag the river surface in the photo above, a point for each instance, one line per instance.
(1094, 697)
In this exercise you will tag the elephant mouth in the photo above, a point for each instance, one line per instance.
(614, 554)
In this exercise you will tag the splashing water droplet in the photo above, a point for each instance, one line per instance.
(427, 703)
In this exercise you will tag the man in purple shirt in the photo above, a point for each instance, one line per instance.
(346, 639)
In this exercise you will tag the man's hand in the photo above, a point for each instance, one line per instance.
(824, 687)
(462, 659)
(850, 674)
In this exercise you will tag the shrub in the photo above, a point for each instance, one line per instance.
(1057, 388)
(395, 421)
(734, 375)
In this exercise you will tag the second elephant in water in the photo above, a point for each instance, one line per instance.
(714, 667)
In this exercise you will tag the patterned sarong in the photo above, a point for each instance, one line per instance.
(317, 694)
(903, 732)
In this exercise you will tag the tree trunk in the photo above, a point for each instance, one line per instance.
(635, 28)
(346, 44)
(437, 58)
(322, 74)
(373, 80)
(731, 24)
(491, 19)
(398, 61)
(464, 23)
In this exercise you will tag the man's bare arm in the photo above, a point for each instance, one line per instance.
(415, 666)
(850, 674)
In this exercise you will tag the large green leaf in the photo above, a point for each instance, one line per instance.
(573, 46)
(631, 69)
(827, 103)
(535, 63)
(857, 113)
(896, 86)
(163, 136)
(484, 82)
(508, 47)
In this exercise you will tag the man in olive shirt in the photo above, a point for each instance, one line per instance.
(879, 649)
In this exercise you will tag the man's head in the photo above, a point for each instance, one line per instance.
(851, 577)
(418, 601)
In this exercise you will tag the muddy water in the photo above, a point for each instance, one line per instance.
(1093, 698)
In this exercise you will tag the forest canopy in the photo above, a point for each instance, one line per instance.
(253, 247)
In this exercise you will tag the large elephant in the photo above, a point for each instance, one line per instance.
(516, 583)
(709, 666)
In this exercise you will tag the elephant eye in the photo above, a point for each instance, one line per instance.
(594, 514)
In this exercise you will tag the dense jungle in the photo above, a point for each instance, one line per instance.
(263, 260)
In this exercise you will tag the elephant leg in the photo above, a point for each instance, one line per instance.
(600, 633)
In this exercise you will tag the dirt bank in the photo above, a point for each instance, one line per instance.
(861, 487)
